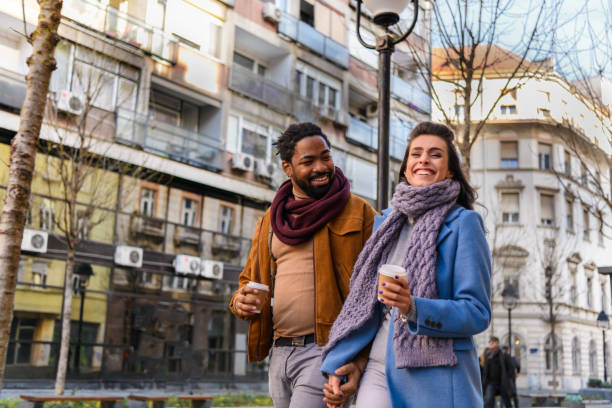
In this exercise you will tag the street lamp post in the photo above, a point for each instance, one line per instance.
(604, 322)
(84, 272)
(385, 14)
(510, 300)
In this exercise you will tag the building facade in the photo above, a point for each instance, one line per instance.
(193, 93)
(542, 171)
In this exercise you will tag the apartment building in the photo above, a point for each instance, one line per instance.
(193, 92)
(542, 168)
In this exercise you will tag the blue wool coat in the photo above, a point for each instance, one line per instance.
(463, 276)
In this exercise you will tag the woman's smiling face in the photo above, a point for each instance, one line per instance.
(427, 161)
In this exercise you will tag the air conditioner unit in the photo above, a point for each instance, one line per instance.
(371, 110)
(271, 13)
(70, 102)
(264, 169)
(34, 241)
(243, 162)
(186, 264)
(212, 269)
(128, 256)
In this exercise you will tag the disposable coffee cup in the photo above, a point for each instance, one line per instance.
(262, 294)
(387, 273)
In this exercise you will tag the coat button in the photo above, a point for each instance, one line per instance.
(427, 322)
(439, 325)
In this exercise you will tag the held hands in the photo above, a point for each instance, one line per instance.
(246, 305)
(337, 394)
(396, 294)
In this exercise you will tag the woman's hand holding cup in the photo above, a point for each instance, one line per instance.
(393, 288)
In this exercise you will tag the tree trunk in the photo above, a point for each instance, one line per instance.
(62, 363)
(22, 160)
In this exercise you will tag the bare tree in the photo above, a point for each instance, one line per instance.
(473, 46)
(22, 160)
(85, 182)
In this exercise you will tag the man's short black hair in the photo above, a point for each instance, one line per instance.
(494, 339)
(285, 144)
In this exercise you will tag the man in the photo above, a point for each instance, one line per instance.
(517, 369)
(304, 249)
(498, 374)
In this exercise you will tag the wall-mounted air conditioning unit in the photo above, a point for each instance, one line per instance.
(34, 241)
(271, 13)
(128, 256)
(212, 269)
(186, 264)
(70, 102)
(264, 169)
(243, 162)
(371, 110)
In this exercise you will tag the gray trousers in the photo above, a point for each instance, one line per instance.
(295, 378)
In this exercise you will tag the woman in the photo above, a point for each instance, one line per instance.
(422, 352)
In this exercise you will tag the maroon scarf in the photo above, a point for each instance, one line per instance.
(296, 221)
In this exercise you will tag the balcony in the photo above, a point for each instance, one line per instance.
(184, 235)
(120, 26)
(225, 244)
(315, 41)
(363, 134)
(169, 140)
(410, 94)
(252, 85)
(147, 227)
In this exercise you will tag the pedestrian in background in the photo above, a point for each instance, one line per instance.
(498, 375)
(421, 326)
(517, 371)
(303, 249)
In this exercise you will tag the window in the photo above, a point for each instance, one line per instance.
(547, 210)
(569, 208)
(82, 224)
(251, 137)
(508, 109)
(509, 155)
(545, 156)
(553, 350)
(510, 208)
(180, 283)
(583, 175)
(39, 273)
(593, 359)
(362, 175)
(47, 218)
(576, 363)
(589, 292)
(226, 219)
(108, 82)
(250, 64)
(400, 134)
(189, 210)
(20, 344)
(568, 164)
(585, 224)
(147, 202)
(459, 111)
(317, 87)
(307, 12)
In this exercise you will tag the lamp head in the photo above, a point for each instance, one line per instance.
(510, 296)
(386, 12)
(84, 272)
(603, 321)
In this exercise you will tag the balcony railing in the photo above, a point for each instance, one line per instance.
(169, 140)
(115, 24)
(250, 84)
(362, 133)
(410, 94)
(312, 39)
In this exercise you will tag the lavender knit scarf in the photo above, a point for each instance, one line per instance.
(429, 205)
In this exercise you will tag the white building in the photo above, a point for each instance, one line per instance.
(540, 167)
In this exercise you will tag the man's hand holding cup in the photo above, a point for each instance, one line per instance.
(251, 298)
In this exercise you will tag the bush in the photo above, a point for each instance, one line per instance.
(594, 383)
(242, 399)
(9, 403)
(573, 398)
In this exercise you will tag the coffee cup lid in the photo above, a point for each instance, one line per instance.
(256, 285)
(392, 270)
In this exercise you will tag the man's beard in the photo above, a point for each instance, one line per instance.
(316, 192)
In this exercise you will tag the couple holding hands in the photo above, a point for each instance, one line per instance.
(341, 299)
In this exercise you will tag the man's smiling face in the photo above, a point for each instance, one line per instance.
(311, 169)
